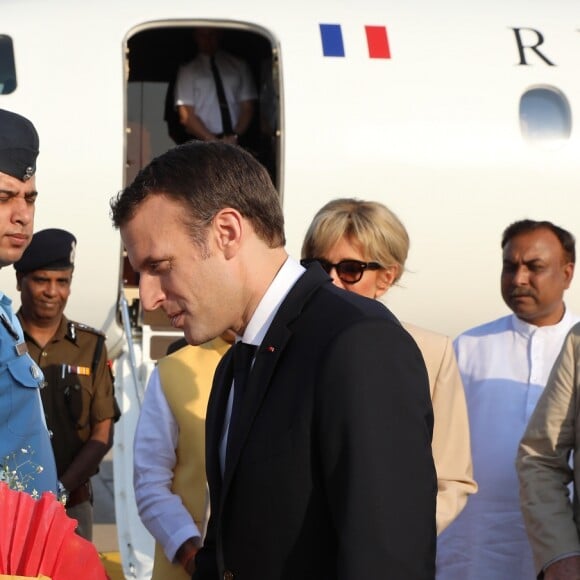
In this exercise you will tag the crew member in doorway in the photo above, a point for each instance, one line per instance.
(215, 93)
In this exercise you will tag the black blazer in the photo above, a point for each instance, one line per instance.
(330, 475)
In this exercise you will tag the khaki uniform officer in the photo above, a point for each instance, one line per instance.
(78, 396)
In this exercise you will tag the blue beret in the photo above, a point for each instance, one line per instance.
(18, 146)
(51, 249)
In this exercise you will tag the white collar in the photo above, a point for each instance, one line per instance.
(527, 329)
(260, 322)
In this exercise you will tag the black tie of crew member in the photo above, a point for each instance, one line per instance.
(224, 108)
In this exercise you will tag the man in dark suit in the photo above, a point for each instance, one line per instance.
(327, 473)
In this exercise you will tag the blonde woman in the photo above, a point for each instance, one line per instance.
(363, 246)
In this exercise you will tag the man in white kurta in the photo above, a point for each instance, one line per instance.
(169, 455)
(505, 365)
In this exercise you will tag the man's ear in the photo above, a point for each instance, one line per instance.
(386, 277)
(228, 227)
(568, 274)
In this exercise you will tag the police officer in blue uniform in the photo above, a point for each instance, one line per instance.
(26, 457)
(78, 397)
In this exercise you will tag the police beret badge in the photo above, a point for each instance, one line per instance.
(18, 146)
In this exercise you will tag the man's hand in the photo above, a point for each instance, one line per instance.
(86, 463)
(186, 554)
(566, 569)
(230, 139)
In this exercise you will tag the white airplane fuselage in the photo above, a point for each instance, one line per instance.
(459, 117)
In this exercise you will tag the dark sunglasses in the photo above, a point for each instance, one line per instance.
(349, 271)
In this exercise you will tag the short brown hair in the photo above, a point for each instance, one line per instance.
(207, 177)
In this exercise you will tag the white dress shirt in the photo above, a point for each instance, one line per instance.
(195, 86)
(504, 366)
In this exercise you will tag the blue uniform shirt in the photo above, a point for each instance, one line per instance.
(25, 449)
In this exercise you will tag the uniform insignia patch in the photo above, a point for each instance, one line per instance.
(76, 370)
(21, 348)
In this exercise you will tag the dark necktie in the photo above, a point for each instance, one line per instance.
(224, 109)
(243, 356)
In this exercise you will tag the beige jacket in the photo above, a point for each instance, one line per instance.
(553, 433)
(451, 444)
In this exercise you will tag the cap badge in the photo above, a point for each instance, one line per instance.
(29, 172)
(73, 249)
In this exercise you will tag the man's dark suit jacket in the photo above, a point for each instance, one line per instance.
(330, 475)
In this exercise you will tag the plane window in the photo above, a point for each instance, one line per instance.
(7, 68)
(545, 115)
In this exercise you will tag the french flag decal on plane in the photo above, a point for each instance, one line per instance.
(333, 44)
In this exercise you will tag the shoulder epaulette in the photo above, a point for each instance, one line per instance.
(87, 328)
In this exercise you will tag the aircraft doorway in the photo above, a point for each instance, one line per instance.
(154, 56)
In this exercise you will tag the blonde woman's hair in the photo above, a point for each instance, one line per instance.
(373, 227)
